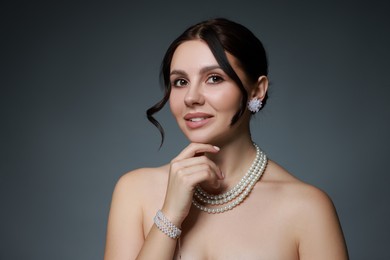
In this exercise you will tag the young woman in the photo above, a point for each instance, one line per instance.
(221, 197)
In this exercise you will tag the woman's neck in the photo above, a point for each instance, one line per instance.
(234, 160)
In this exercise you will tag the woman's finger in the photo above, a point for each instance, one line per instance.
(195, 149)
(199, 173)
(194, 161)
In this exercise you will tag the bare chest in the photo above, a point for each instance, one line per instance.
(246, 232)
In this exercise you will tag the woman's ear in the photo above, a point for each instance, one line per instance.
(260, 88)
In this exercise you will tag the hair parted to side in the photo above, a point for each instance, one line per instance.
(221, 35)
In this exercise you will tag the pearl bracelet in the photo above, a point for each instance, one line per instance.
(166, 226)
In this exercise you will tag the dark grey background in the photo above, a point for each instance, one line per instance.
(76, 79)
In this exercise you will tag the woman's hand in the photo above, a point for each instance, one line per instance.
(188, 169)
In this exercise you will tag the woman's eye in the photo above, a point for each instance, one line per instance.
(214, 79)
(179, 83)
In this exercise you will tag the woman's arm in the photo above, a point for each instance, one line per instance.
(124, 230)
(320, 234)
(125, 236)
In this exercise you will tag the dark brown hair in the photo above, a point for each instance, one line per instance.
(221, 35)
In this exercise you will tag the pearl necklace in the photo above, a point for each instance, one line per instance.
(237, 194)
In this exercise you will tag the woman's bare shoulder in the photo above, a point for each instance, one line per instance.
(142, 176)
(302, 201)
(146, 172)
(141, 181)
(291, 187)
(312, 213)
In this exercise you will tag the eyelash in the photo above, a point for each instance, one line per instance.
(183, 82)
(218, 78)
(176, 81)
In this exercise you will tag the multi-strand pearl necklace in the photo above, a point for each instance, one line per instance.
(237, 194)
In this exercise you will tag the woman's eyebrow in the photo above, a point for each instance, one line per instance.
(178, 72)
(202, 70)
(208, 68)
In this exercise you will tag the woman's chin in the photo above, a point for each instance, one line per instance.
(204, 139)
(198, 139)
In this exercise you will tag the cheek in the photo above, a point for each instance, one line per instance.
(175, 103)
(227, 100)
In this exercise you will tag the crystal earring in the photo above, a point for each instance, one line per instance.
(254, 105)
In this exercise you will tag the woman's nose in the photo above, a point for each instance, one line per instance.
(194, 96)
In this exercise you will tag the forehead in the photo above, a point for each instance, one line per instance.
(192, 54)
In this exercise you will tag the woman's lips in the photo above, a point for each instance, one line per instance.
(196, 120)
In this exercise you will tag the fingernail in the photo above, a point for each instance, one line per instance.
(216, 148)
(223, 175)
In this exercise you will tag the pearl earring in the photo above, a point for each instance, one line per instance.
(254, 105)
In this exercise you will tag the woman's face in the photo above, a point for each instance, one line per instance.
(203, 98)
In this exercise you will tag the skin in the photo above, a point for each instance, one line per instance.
(282, 218)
